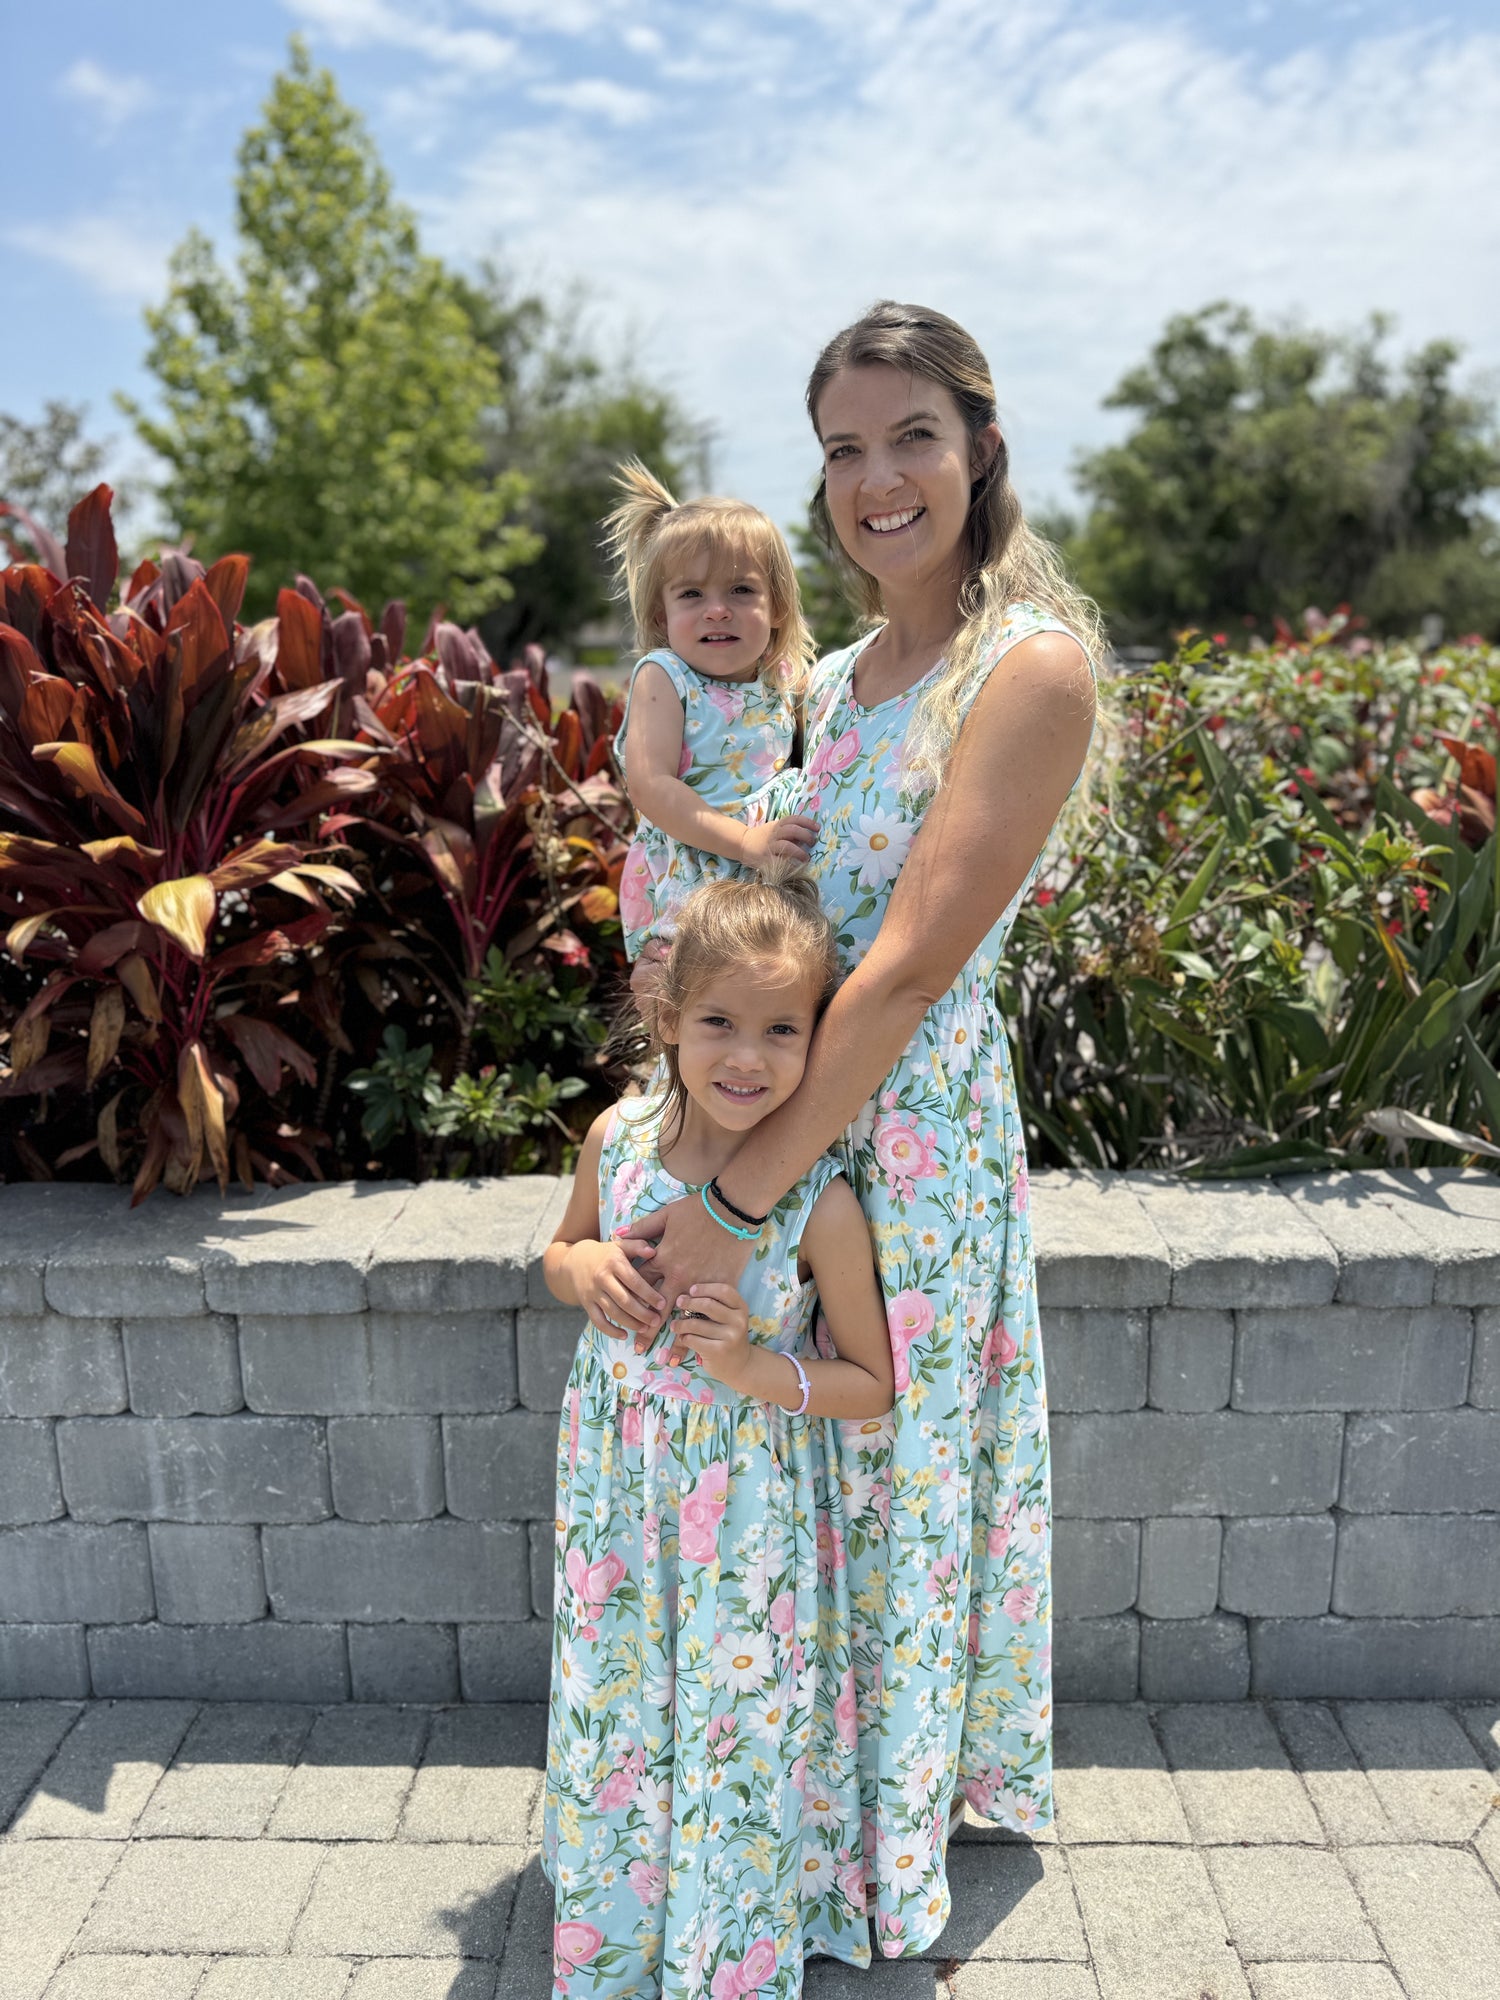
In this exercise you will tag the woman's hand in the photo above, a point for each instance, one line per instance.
(714, 1321)
(686, 1248)
(614, 1294)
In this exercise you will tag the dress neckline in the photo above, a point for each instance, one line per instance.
(874, 707)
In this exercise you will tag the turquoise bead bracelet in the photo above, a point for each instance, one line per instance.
(745, 1235)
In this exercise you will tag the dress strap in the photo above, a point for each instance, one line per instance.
(1022, 621)
(676, 671)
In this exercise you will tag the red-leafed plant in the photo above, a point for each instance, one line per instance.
(1470, 802)
(160, 851)
(194, 968)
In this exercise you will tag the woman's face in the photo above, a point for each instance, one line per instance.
(899, 466)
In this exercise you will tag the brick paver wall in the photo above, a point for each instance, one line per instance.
(300, 1445)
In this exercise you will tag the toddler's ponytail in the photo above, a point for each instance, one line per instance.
(630, 535)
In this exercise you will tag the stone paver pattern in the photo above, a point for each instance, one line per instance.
(169, 1850)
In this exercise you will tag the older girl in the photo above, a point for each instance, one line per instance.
(940, 749)
(702, 1802)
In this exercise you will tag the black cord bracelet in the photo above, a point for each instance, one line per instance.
(754, 1221)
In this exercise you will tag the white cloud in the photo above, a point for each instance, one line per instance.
(112, 96)
(354, 24)
(123, 262)
(1059, 182)
(597, 97)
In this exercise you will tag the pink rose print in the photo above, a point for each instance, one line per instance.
(701, 1512)
(905, 1153)
(942, 1578)
(593, 1582)
(851, 1879)
(834, 754)
(626, 1189)
(635, 889)
(573, 1432)
(783, 1614)
(999, 1351)
(651, 1535)
(1020, 1603)
(574, 1944)
(648, 1881)
(728, 700)
(753, 1972)
(830, 1549)
(1022, 1188)
(998, 1539)
(846, 1711)
(618, 1788)
(911, 1318)
(632, 1425)
(685, 761)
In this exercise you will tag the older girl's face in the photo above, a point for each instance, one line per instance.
(899, 467)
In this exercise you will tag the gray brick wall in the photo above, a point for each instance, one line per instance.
(300, 1445)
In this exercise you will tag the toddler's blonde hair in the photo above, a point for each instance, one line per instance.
(773, 919)
(650, 538)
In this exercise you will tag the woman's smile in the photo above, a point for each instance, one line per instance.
(888, 524)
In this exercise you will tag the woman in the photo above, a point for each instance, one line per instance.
(940, 750)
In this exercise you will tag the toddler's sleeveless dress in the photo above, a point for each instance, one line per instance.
(947, 1501)
(702, 1818)
(736, 737)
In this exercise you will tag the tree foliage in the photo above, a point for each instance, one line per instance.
(46, 466)
(1269, 469)
(566, 419)
(325, 401)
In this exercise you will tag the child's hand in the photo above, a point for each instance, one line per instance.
(617, 1299)
(789, 839)
(718, 1333)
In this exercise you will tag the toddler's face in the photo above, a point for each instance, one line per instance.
(742, 1042)
(720, 622)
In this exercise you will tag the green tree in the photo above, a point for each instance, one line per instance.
(325, 403)
(826, 605)
(46, 467)
(566, 419)
(1268, 470)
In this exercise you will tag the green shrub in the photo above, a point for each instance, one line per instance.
(1254, 951)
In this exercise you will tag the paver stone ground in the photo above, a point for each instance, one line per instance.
(1233, 1776)
(276, 1979)
(231, 1768)
(208, 1896)
(1429, 1776)
(373, 1900)
(1343, 1797)
(46, 1891)
(128, 1978)
(481, 1778)
(1111, 1778)
(353, 1776)
(109, 1765)
(1324, 1982)
(1154, 1925)
(1010, 1902)
(1436, 1914)
(1292, 1903)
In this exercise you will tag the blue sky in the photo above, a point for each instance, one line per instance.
(731, 183)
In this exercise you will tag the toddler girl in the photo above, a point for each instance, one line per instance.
(711, 713)
(702, 1823)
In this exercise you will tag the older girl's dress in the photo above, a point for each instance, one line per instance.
(947, 1501)
(702, 1818)
(736, 737)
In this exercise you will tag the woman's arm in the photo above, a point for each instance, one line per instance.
(1015, 760)
(861, 1382)
(653, 750)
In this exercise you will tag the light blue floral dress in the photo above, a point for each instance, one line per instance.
(947, 1501)
(702, 1816)
(736, 737)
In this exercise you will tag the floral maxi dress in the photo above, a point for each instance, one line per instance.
(736, 737)
(702, 1817)
(948, 1500)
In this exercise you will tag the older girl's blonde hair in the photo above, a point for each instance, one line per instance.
(1004, 561)
(774, 918)
(650, 538)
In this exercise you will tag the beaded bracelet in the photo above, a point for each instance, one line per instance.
(801, 1409)
(745, 1235)
(755, 1221)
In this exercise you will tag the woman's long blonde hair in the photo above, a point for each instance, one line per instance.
(650, 537)
(1004, 561)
